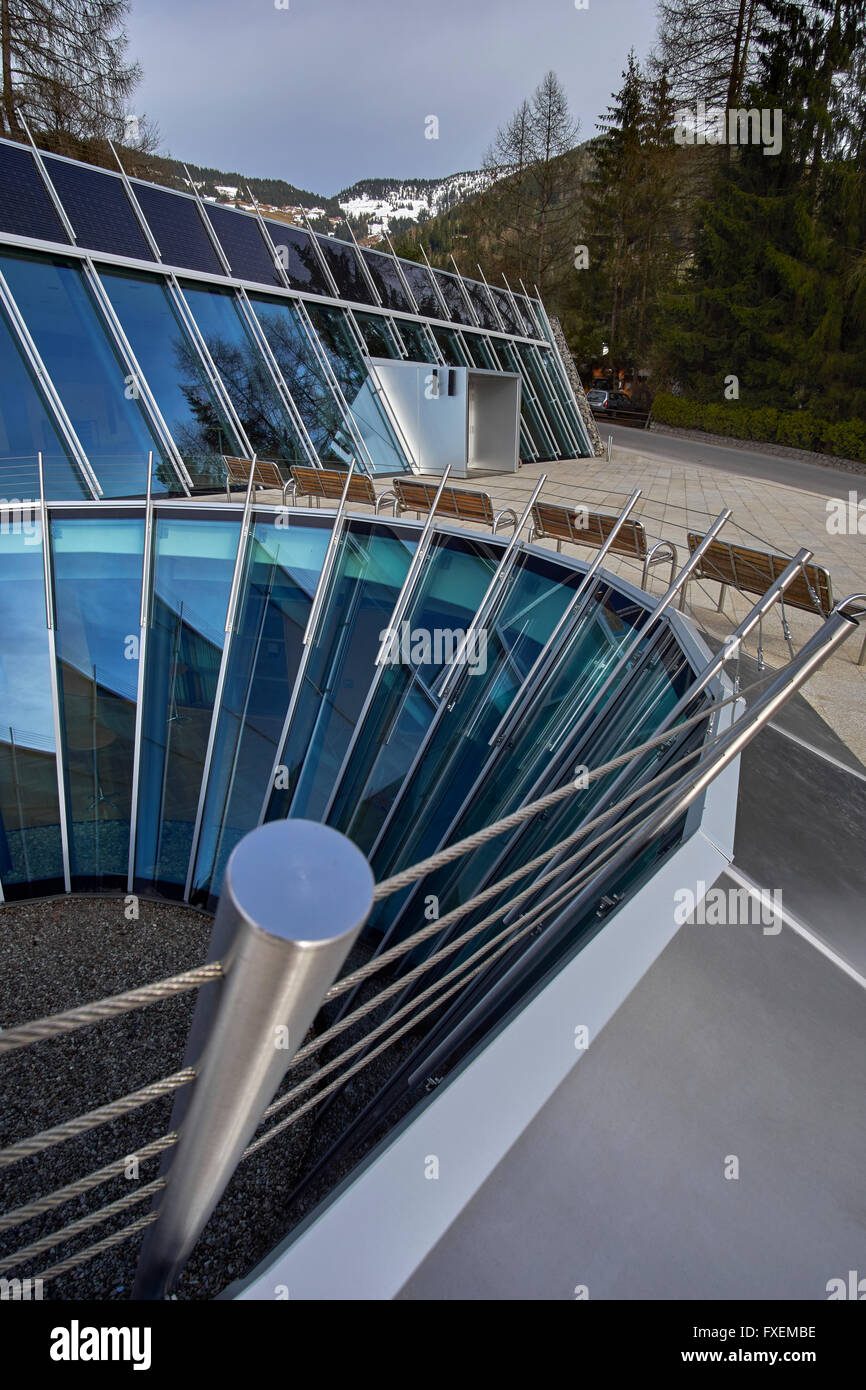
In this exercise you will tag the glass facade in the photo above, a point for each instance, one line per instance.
(95, 385)
(149, 385)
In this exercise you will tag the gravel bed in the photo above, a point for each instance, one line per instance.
(61, 952)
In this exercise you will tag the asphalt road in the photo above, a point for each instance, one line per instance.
(811, 477)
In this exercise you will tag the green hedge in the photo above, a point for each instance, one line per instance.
(799, 429)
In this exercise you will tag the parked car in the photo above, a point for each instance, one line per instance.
(601, 401)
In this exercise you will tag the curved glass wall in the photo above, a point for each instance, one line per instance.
(31, 847)
(97, 567)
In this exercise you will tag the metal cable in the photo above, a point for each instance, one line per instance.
(71, 1019)
(84, 1223)
(536, 915)
(41, 1205)
(472, 842)
(528, 922)
(25, 1148)
(83, 1256)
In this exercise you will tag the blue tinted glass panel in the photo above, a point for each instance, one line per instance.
(306, 378)
(174, 373)
(99, 210)
(87, 372)
(386, 278)
(422, 289)
(282, 571)
(369, 572)
(242, 241)
(26, 428)
(30, 846)
(358, 387)
(97, 587)
(244, 374)
(193, 568)
(26, 208)
(345, 267)
(454, 297)
(298, 258)
(176, 224)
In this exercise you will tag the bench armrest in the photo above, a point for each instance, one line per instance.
(383, 499)
(506, 515)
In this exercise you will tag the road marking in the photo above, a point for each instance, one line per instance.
(766, 902)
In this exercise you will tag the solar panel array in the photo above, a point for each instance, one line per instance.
(104, 219)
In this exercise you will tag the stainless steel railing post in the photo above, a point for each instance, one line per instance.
(295, 895)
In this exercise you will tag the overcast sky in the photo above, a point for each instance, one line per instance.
(330, 91)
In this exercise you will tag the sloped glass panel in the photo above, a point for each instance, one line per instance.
(481, 303)
(418, 277)
(284, 563)
(386, 278)
(454, 297)
(31, 853)
(368, 574)
(245, 374)
(174, 372)
(377, 335)
(92, 381)
(97, 587)
(307, 379)
(193, 568)
(452, 348)
(26, 428)
(456, 575)
(343, 263)
(298, 258)
(359, 388)
(417, 344)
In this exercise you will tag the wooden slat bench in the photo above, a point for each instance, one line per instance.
(551, 521)
(461, 503)
(753, 571)
(329, 483)
(267, 475)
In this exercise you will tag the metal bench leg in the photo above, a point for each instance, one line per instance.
(862, 656)
(720, 606)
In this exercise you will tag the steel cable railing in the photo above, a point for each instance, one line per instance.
(408, 1017)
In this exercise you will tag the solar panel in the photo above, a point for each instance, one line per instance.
(510, 318)
(454, 297)
(346, 270)
(422, 288)
(386, 278)
(299, 258)
(98, 208)
(241, 239)
(180, 233)
(481, 303)
(26, 208)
